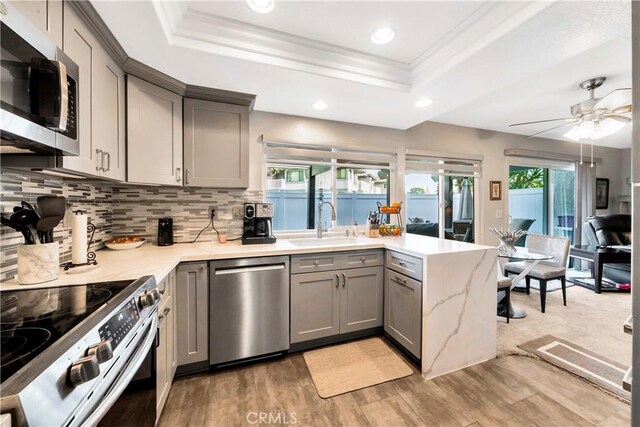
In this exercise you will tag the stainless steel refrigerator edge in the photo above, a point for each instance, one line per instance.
(249, 308)
(635, 209)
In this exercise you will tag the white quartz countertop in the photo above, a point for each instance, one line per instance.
(159, 261)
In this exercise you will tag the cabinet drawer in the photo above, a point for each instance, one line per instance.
(405, 264)
(314, 262)
(358, 259)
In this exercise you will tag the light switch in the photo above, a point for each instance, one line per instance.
(498, 213)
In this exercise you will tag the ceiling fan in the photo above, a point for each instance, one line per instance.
(594, 118)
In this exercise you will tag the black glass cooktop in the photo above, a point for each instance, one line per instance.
(32, 320)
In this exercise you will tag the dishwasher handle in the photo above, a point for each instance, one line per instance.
(256, 269)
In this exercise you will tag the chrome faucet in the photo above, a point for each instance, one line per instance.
(333, 216)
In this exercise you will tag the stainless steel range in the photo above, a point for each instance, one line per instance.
(68, 353)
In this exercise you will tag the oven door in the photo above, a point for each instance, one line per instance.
(131, 399)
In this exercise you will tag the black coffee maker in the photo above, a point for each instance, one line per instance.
(257, 223)
(165, 232)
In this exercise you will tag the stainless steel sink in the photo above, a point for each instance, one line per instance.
(327, 241)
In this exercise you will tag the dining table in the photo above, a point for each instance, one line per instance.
(531, 259)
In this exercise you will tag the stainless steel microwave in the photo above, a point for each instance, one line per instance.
(39, 91)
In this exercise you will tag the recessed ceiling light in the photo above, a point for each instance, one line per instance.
(320, 105)
(261, 6)
(423, 102)
(383, 35)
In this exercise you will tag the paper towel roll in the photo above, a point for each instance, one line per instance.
(79, 238)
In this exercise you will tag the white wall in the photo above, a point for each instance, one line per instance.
(432, 136)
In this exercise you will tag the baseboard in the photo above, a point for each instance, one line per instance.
(335, 339)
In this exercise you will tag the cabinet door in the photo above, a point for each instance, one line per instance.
(216, 144)
(192, 298)
(163, 352)
(315, 305)
(80, 45)
(108, 115)
(154, 134)
(46, 15)
(361, 298)
(403, 311)
(173, 326)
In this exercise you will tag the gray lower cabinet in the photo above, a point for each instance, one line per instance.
(328, 303)
(192, 311)
(315, 305)
(216, 144)
(361, 299)
(403, 311)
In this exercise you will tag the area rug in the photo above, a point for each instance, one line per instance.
(584, 363)
(352, 366)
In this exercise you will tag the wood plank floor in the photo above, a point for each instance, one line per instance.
(508, 391)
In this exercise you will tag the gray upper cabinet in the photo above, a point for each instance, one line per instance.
(46, 15)
(154, 134)
(315, 305)
(216, 144)
(192, 311)
(101, 104)
(361, 302)
(403, 311)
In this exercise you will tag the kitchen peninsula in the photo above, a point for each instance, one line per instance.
(458, 304)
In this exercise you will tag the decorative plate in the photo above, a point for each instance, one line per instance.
(124, 243)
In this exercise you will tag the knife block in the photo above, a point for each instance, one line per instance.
(38, 263)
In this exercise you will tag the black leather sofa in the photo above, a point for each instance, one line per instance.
(611, 230)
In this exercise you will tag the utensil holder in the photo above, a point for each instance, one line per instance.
(38, 263)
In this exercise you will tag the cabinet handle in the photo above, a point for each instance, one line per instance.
(186, 176)
(178, 174)
(201, 267)
(108, 162)
(344, 280)
(363, 259)
(337, 280)
(99, 153)
(316, 263)
(400, 280)
(402, 264)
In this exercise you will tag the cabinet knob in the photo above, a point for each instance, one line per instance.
(201, 267)
(316, 263)
(402, 264)
(363, 259)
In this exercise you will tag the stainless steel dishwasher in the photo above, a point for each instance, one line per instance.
(249, 308)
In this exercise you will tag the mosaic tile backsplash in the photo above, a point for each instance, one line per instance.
(118, 210)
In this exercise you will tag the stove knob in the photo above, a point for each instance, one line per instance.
(146, 300)
(102, 351)
(155, 293)
(83, 370)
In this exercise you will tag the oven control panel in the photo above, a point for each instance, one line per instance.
(116, 328)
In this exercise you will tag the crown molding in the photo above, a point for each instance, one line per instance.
(471, 35)
(234, 39)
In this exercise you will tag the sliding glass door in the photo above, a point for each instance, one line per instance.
(542, 199)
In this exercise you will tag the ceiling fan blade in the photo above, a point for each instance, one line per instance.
(614, 100)
(550, 129)
(573, 119)
(623, 119)
(623, 109)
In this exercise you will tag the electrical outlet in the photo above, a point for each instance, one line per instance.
(237, 212)
(212, 210)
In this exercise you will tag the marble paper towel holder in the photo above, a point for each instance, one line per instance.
(91, 256)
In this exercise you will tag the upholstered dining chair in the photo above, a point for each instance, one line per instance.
(555, 268)
(504, 284)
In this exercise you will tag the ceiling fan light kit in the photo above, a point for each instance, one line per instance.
(594, 118)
